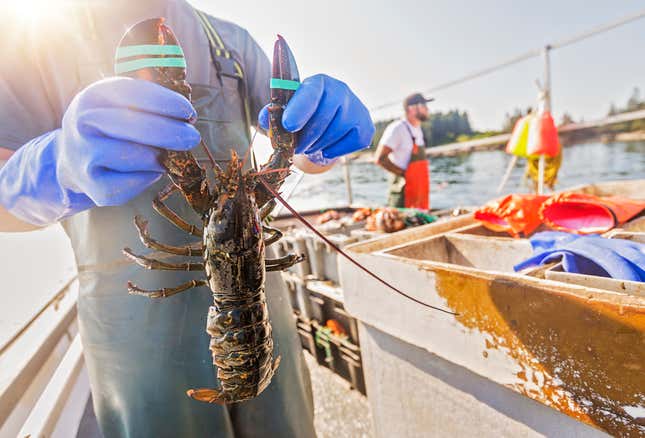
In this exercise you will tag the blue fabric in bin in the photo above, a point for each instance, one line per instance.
(592, 255)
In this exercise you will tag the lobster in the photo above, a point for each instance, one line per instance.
(232, 211)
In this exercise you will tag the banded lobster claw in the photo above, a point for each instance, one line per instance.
(150, 51)
(285, 80)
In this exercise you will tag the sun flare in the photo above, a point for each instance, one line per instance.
(24, 11)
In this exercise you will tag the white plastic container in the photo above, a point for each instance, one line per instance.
(523, 357)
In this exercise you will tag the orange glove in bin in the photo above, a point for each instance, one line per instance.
(515, 214)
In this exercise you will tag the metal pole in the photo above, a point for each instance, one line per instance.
(507, 175)
(547, 107)
(547, 78)
(348, 181)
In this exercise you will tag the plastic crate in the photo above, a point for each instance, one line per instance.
(340, 355)
(315, 253)
(306, 333)
(326, 302)
(330, 256)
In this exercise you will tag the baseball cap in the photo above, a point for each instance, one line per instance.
(415, 99)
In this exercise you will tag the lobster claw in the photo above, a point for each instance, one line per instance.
(285, 80)
(149, 50)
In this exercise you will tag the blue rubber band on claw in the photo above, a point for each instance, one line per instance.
(284, 84)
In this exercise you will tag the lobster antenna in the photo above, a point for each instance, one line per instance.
(343, 253)
(208, 153)
(248, 150)
(268, 171)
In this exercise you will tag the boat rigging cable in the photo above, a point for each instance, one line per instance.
(526, 55)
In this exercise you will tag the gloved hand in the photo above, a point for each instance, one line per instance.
(330, 120)
(105, 154)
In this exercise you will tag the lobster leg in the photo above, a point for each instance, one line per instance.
(149, 263)
(190, 250)
(282, 263)
(274, 237)
(170, 215)
(267, 209)
(165, 292)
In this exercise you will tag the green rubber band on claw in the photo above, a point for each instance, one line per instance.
(138, 64)
(284, 84)
(148, 49)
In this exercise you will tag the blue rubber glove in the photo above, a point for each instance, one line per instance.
(591, 255)
(330, 120)
(105, 154)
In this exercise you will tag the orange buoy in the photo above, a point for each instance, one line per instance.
(543, 136)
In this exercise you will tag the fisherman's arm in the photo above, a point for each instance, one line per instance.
(8, 222)
(11, 224)
(383, 159)
(105, 153)
(70, 151)
(303, 163)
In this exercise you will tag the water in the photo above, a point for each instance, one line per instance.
(472, 179)
(34, 265)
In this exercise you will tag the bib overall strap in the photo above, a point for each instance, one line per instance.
(418, 153)
(414, 140)
(226, 65)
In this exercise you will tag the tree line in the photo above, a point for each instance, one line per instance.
(440, 128)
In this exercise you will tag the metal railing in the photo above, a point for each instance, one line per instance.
(44, 387)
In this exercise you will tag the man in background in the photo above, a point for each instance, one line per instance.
(401, 151)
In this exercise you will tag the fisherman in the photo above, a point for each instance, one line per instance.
(401, 151)
(86, 156)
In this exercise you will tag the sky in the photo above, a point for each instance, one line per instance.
(385, 50)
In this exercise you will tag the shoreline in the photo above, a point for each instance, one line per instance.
(499, 141)
(629, 136)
